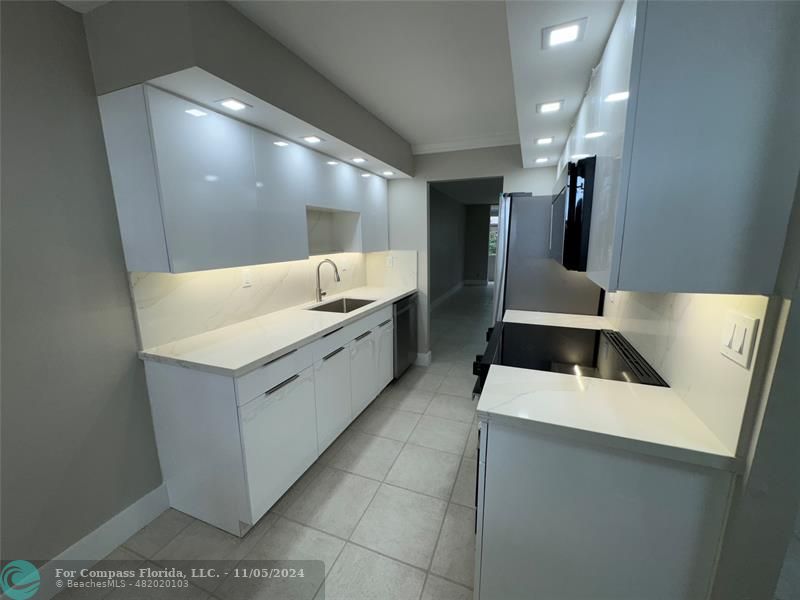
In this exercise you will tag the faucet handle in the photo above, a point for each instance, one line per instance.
(323, 294)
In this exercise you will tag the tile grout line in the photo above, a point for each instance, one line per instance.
(363, 547)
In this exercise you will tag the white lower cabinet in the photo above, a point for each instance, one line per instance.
(230, 447)
(279, 439)
(385, 355)
(332, 389)
(363, 355)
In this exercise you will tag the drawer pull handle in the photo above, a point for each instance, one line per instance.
(386, 322)
(332, 354)
(334, 331)
(269, 362)
(363, 335)
(274, 389)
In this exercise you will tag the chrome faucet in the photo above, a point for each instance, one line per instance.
(320, 293)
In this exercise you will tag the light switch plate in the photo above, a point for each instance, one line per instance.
(390, 260)
(738, 338)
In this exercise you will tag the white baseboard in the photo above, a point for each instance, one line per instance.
(447, 294)
(99, 543)
(423, 359)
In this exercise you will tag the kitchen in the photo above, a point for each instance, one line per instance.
(254, 371)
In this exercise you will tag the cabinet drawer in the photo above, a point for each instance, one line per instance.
(271, 374)
(279, 440)
(349, 332)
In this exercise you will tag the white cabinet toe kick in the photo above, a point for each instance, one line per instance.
(230, 447)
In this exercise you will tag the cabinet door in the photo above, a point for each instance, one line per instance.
(363, 378)
(279, 439)
(207, 185)
(286, 179)
(374, 215)
(332, 390)
(385, 357)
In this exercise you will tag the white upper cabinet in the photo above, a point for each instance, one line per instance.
(199, 190)
(697, 169)
(281, 214)
(207, 185)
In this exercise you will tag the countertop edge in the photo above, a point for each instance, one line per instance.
(146, 355)
(608, 440)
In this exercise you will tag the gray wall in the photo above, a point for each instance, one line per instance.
(447, 223)
(77, 436)
(132, 42)
(476, 243)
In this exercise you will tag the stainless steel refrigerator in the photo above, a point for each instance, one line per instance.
(526, 277)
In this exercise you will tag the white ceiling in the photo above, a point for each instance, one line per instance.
(437, 72)
(558, 73)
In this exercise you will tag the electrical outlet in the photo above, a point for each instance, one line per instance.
(247, 280)
(738, 338)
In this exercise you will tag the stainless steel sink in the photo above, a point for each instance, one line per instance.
(342, 305)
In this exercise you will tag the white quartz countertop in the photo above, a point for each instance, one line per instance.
(236, 349)
(641, 418)
(530, 317)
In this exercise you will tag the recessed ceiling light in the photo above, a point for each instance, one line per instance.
(563, 33)
(579, 156)
(594, 134)
(388, 173)
(541, 160)
(617, 97)
(544, 141)
(211, 178)
(312, 139)
(259, 184)
(332, 163)
(365, 175)
(548, 107)
(233, 104)
(281, 143)
(358, 160)
(196, 112)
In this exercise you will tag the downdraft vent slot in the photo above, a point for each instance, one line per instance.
(643, 371)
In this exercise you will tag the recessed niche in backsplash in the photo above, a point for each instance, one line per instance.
(679, 335)
(171, 307)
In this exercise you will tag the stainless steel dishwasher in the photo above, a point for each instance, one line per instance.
(405, 334)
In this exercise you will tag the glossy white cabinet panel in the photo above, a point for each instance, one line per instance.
(374, 215)
(126, 130)
(363, 356)
(284, 184)
(714, 156)
(626, 526)
(613, 77)
(384, 367)
(697, 170)
(279, 439)
(333, 392)
(200, 190)
(207, 183)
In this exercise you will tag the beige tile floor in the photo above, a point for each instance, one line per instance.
(389, 507)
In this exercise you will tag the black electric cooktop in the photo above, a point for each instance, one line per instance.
(601, 353)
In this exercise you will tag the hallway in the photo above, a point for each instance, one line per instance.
(458, 330)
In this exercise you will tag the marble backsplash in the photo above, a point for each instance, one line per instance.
(679, 335)
(171, 307)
